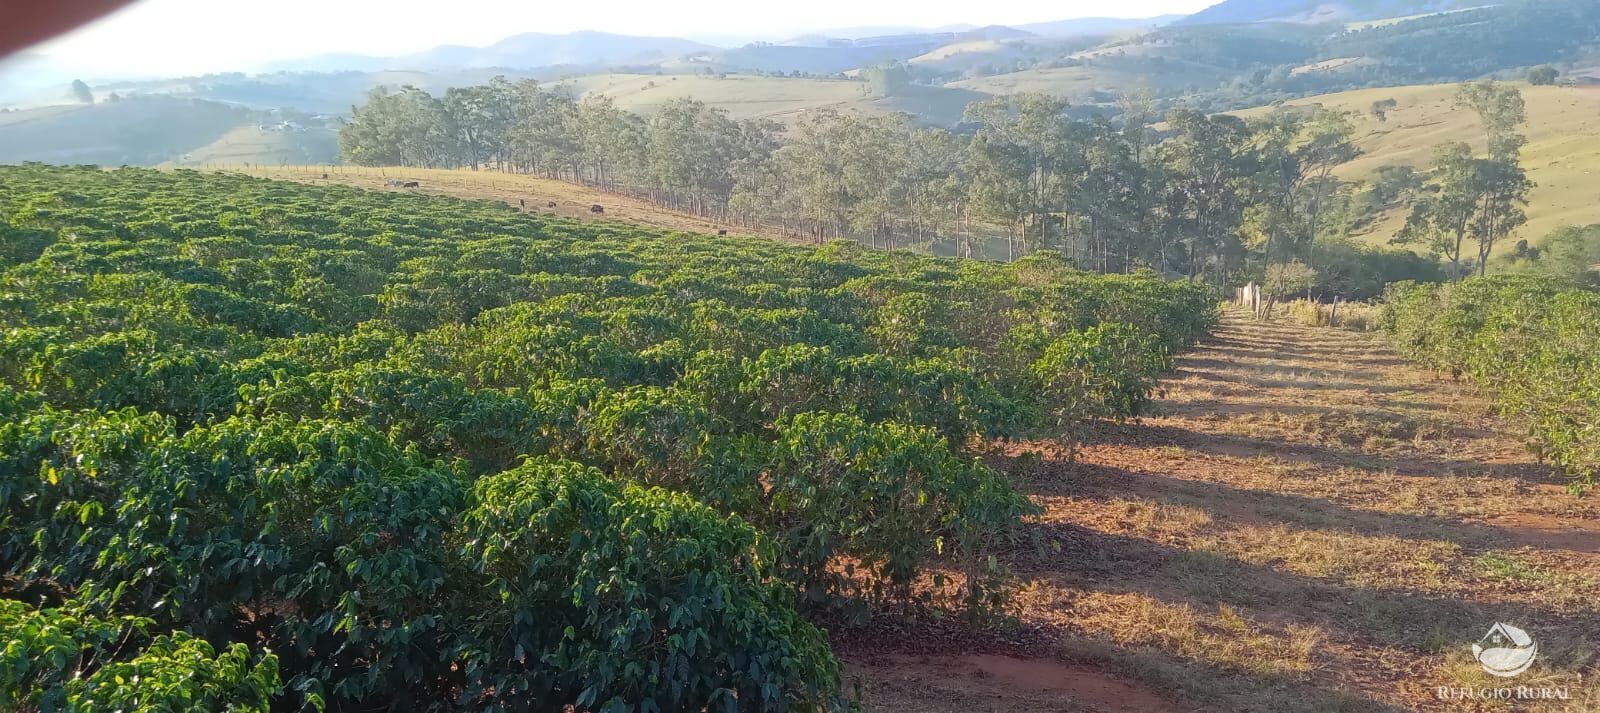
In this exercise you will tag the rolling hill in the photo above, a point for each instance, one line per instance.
(309, 92)
(1310, 11)
(777, 98)
(1562, 155)
(147, 131)
(254, 145)
(742, 95)
(1102, 80)
(1097, 25)
(140, 131)
(522, 51)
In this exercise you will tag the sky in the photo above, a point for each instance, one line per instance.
(178, 37)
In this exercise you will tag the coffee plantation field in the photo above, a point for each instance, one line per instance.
(1534, 343)
(286, 446)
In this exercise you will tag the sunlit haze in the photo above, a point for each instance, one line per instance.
(174, 37)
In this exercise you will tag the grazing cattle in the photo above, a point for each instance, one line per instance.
(392, 182)
(722, 232)
(324, 176)
(552, 204)
(411, 184)
(522, 203)
(597, 208)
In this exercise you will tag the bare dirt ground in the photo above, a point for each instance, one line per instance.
(1309, 524)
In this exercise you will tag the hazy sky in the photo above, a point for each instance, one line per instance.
(169, 37)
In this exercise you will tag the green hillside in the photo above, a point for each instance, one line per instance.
(142, 131)
(778, 98)
(744, 96)
(1099, 82)
(1562, 155)
(1308, 11)
(252, 144)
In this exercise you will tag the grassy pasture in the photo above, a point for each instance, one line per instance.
(1085, 84)
(1562, 155)
(777, 98)
(249, 144)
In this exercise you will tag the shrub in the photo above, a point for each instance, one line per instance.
(885, 495)
(1105, 372)
(318, 538)
(65, 659)
(617, 597)
(256, 412)
(1534, 343)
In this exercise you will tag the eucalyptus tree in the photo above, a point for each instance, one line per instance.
(546, 137)
(693, 151)
(1024, 158)
(1295, 155)
(407, 127)
(482, 117)
(613, 141)
(1501, 182)
(1207, 161)
(813, 165)
(1441, 220)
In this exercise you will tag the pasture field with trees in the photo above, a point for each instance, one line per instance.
(279, 446)
(1210, 196)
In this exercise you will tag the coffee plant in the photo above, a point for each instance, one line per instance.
(1534, 343)
(66, 659)
(316, 447)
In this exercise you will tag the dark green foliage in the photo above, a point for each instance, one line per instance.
(311, 536)
(1569, 253)
(618, 597)
(65, 659)
(886, 495)
(1359, 272)
(446, 455)
(1543, 75)
(1104, 372)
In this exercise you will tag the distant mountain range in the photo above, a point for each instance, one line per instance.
(526, 50)
(1096, 25)
(1311, 11)
(599, 49)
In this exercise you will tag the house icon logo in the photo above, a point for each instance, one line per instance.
(1505, 651)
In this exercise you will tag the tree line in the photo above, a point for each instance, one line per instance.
(1213, 196)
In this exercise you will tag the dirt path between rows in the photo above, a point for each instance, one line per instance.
(1309, 524)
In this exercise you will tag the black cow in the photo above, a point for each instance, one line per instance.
(552, 204)
(722, 232)
(411, 184)
(597, 208)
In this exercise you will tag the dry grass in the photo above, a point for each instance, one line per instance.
(1309, 525)
(1221, 637)
(530, 193)
(1357, 316)
(1561, 156)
